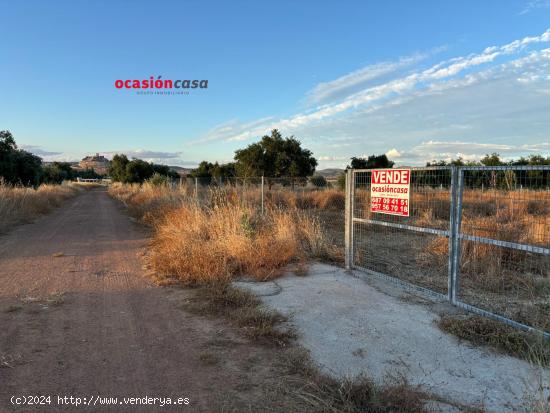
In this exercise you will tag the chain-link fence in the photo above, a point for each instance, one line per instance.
(322, 200)
(476, 236)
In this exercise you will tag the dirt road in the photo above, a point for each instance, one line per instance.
(79, 318)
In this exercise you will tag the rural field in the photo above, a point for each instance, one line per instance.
(80, 316)
(115, 278)
(280, 207)
(81, 308)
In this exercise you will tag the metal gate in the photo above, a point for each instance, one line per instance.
(478, 237)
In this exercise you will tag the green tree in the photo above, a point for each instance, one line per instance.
(318, 180)
(137, 171)
(372, 162)
(158, 179)
(117, 168)
(341, 182)
(57, 172)
(164, 170)
(16, 165)
(275, 156)
(492, 160)
(204, 170)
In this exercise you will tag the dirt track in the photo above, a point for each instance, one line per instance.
(89, 323)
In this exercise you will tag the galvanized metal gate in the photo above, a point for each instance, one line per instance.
(478, 237)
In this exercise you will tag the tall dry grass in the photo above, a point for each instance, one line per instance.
(149, 202)
(22, 204)
(224, 235)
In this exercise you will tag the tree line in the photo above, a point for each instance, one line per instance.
(274, 157)
(508, 179)
(124, 170)
(20, 167)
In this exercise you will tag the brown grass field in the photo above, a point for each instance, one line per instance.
(22, 204)
(310, 223)
(222, 237)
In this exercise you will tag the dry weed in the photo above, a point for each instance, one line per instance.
(483, 331)
(23, 204)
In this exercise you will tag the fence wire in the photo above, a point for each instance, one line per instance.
(414, 248)
(505, 240)
(480, 235)
(324, 201)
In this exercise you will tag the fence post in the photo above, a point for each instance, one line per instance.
(349, 219)
(455, 233)
(196, 188)
(452, 234)
(262, 194)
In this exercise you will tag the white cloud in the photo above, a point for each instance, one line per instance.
(535, 4)
(468, 151)
(145, 154)
(39, 151)
(439, 78)
(393, 153)
(347, 83)
(332, 158)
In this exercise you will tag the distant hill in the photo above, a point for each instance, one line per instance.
(330, 172)
(181, 170)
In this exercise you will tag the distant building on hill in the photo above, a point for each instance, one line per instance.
(98, 163)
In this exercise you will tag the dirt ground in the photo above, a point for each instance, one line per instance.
(79, 318)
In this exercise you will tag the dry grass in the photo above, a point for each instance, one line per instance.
(209, 358)
(199, 245)
(483, 331)
(149, 202)
(309, 390)
(222, 237)
(22, 204)
(225, 237)
(244, 310)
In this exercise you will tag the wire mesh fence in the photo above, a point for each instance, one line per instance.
(404, 246)
(325, 202)
(505, 238)
(477, 236)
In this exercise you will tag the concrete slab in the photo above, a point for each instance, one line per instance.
(352, 327)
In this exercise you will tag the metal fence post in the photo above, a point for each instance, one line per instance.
(262, 194)
(455, 251)
(452, 234)
(196, 188)
(349, 219)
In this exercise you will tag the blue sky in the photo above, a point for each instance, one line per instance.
(417, 80)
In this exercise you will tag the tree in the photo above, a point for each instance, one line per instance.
(158, 179)
(204, 170)
(341, 182)
(318, 180)
(372, 162)
(165, 171)
(16, 165)
(117, 168)
(275, 156)
(138, 170)
(456, 162)
(57, 172)
(492, 160)
(88, 174)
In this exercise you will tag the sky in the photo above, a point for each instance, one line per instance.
(419, 81)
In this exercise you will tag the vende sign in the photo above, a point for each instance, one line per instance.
(389, 191)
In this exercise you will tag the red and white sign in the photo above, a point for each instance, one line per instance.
(389, 191)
